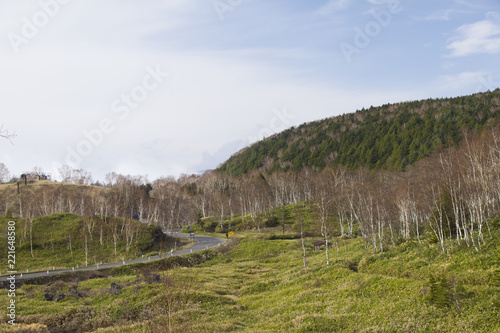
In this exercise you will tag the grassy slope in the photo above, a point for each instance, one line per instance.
(51, 236)
(261, 286)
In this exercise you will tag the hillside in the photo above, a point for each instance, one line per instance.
(259, 284)
(391, 136)
(67, 240)
(410, 251)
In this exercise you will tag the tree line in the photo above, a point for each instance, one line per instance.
(452, 194)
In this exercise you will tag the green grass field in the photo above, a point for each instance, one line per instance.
(260, 285)
(68, 240)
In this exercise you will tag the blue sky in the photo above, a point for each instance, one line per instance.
(168, 87)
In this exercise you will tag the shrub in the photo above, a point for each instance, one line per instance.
(286, 236)
(271, 222)
(209, 225)
(439, 292)
(444, 292)
(351, 265)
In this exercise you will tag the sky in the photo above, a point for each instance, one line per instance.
(166, 87)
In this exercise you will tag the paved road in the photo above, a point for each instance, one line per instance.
(200, 243)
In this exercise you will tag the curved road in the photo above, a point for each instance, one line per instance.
(201, 243)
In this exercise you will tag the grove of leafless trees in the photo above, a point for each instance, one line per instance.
(452, 195)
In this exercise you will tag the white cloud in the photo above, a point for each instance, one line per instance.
(55, 93)
(482, 37)
(226, 78)
(381, 2)
(442, 15)
(465, 81)
(333, 6)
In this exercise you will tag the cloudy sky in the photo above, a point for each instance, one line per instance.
(164, 87)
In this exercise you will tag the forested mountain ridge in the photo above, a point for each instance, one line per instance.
(391, 136)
